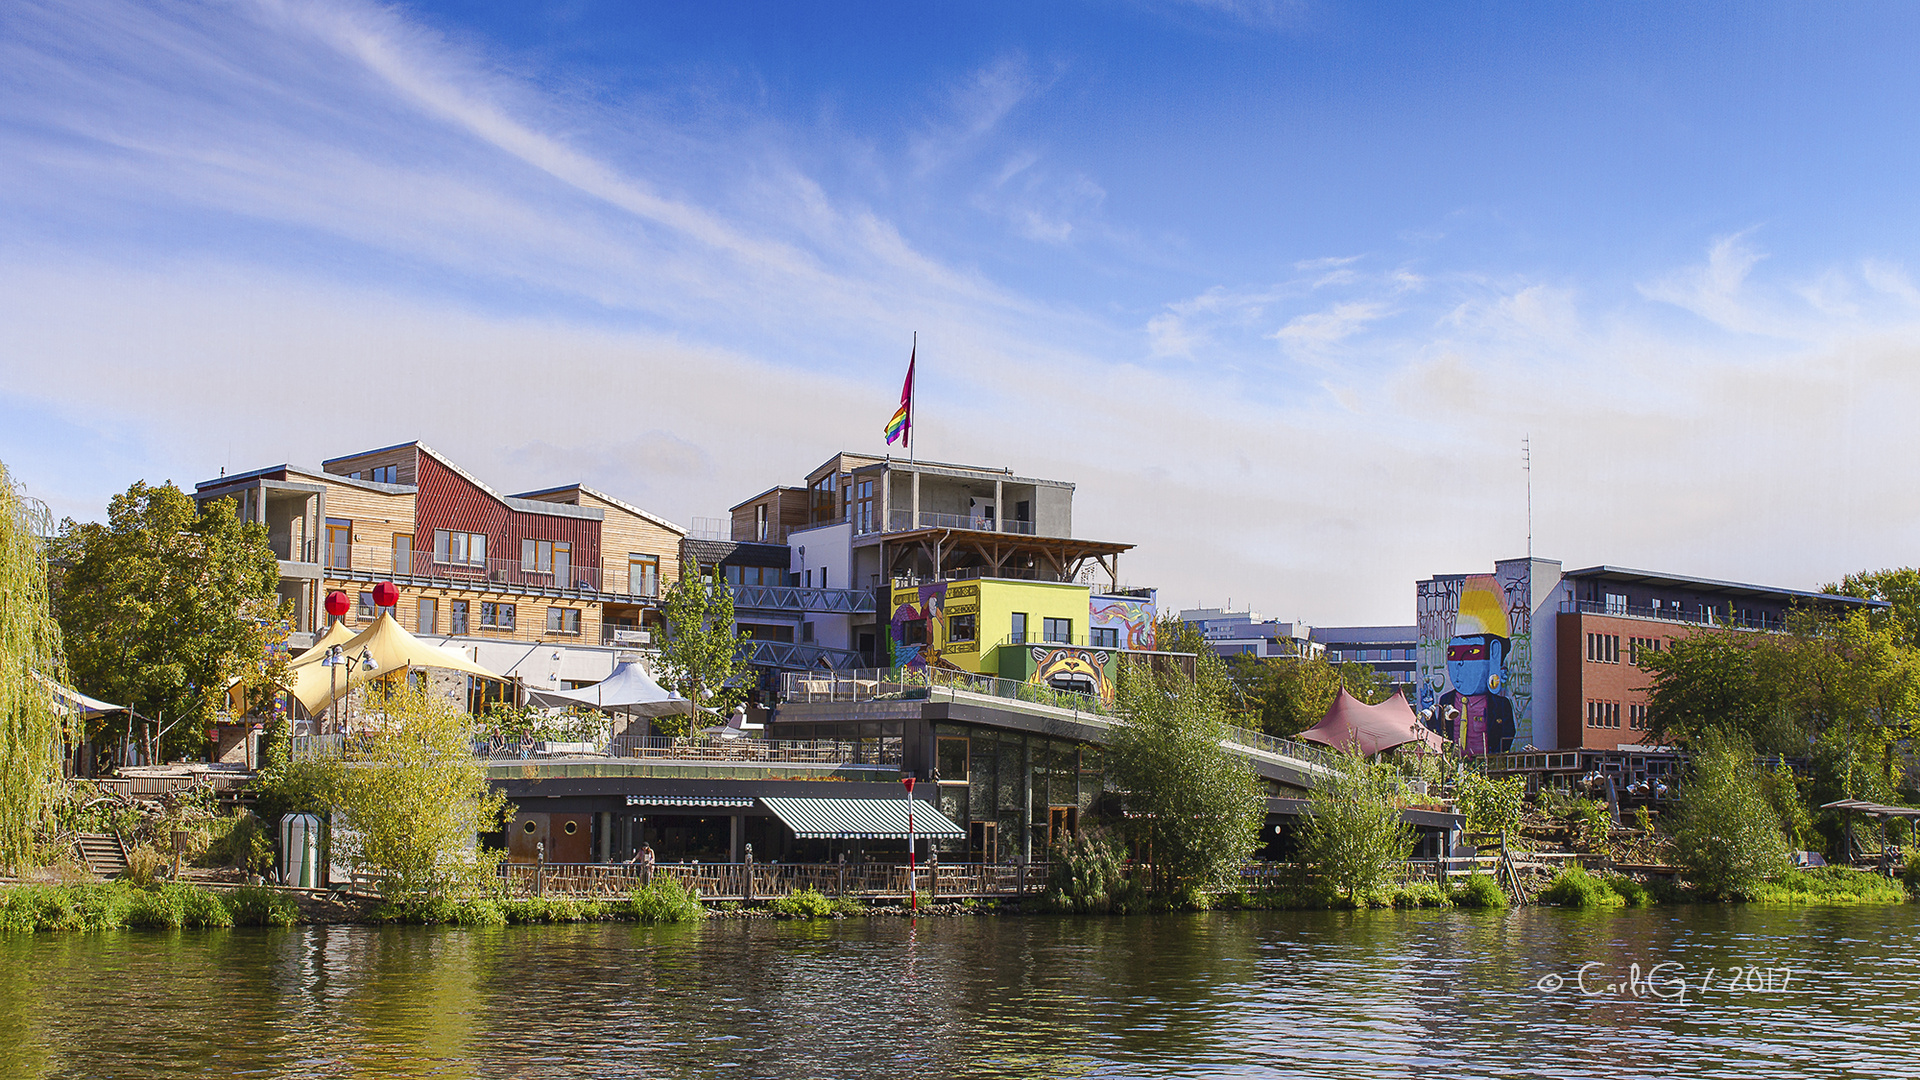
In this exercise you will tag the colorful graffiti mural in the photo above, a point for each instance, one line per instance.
(1475, 663)
(1083, 670)
(925, 609)
(1132, 618)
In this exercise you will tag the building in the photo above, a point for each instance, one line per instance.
(1245, 633)
(1531, 657)
(877, 562)
(1391, 651)
(545, 587)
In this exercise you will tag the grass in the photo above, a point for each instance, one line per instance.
(116, 904)
(811, 903)
(663, 901)
(1829, 885)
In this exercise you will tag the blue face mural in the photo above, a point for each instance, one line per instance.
(1477, 663)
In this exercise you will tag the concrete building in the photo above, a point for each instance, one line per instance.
(1391, 651)
(1246, 633)
(546, 586)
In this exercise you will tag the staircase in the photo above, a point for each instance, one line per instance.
(104, 853)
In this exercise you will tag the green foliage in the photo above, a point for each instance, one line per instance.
(255, 906)
(1088, 875)
(1590, 822)
(701, 652)
(1782, 789)
(1419, 894)
(1900, 587)
(31, 731)
(1479, 891)
(1354, 835)
(175, 906)
(1727, 836)
(413, 800)
(166, 603)
(1198, 805)
(1910, 876)
(663, 900)
(1575, 888)
(1829, 885)
(1630, 892)
(805, 903)
(1284, 696)
(145, 864)
(241, 840)
(1492, 806)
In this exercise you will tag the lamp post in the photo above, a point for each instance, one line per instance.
(336, 658)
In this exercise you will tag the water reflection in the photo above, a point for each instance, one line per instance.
(1251, 994)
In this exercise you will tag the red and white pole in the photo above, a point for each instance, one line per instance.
(913, 883)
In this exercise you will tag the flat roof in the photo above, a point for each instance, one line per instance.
(1711, 585)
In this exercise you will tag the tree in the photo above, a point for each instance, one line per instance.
(411, 797)
(1719, 682)
(167, 603)
(1354, 834)
(1728, 835)
(1900, 587)
(1198, 805)
(1285, 695)
(701, 652)
(31, 732)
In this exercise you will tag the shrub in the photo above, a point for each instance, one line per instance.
(241, 840)
(663, 900)
(1590, 822)
(1087, 875)
(1575, 888)
(1630, 892)
(1729, 836)
(1911, 875)
(1829, 885)
(807, 903)
(259, 906)
(1492, 806)
(549, 909)
(1479, 891)
(1418, 894)
(1354, 834)
(174, 906)
(145, 865)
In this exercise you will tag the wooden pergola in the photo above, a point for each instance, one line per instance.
(1000, 554)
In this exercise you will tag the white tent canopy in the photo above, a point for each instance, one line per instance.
(629, 690)
(74, 703)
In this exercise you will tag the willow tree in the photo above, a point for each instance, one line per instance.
(31, 735)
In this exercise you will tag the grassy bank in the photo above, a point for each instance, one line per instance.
(1575, 888)
(116, 904)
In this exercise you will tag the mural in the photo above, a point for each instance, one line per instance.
(1132, 617)
(1070, 666)
(928, 603)
(1475, 665)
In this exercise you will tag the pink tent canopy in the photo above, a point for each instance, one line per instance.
(1372, 728)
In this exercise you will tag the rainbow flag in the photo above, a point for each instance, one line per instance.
(901, 426)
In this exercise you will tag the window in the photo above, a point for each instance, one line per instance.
(339, 542)
(1019, 635)
(403, 554)
(806, 631)
(1603, 648)
(1057, 631)
(951, 759)
(914, 632)
(428, 614)
(1106, 637)
(459, 548)
(1637, 717)
(962, 627)
(366, 605)
(1636, 646)
(760, 523)
(563, 620)
(495, 616)
(643, 575)
(863, 507)
(457, 617)
(823, 577)
(547, 557)
(383, 474)
(1616, 604)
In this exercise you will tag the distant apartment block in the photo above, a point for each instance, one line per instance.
(569, 568)
(1247, 633)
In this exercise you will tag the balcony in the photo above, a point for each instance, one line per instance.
(1673, 614)
(369, 562)
(631, 637)
(906, 521)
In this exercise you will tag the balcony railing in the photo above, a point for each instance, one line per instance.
(1665, 613)
(1082, 641)
(904, 521)
(373, 561)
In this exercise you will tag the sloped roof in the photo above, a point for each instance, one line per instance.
(1372, 728)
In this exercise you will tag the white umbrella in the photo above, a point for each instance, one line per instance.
(628, 690)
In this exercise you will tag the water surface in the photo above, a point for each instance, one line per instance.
(1752, 992)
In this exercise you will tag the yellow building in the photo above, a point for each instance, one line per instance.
(1028, 631)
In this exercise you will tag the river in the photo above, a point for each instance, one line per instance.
(1751, 992)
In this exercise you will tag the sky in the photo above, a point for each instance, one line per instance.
(1281, 286)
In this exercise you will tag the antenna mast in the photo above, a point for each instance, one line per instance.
(1526, 466)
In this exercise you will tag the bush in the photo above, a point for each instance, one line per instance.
(241, 840)
(174, 907)
(1354, 834)
(1418, 894)
(1590, 822)
(1575, 888)
(1087, 875)
(1911, 875)
(663, 900)
(1479, 891)
(807, 903)
(1728, 836)
(258, 906)
(1492, 806)
(1630, 892)
(145, 865)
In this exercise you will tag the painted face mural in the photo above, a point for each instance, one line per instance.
(1083, 670)
(1477, 713)
(914, 648)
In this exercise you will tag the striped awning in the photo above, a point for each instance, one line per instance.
(861, 819)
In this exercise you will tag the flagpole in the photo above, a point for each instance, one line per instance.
(913, 398)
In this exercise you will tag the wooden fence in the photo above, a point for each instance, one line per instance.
(764, 881)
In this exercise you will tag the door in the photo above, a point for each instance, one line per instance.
(981, 847)
(524, 837)
(571, 838)
(1062, 823)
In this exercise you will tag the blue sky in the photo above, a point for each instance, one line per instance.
(1280, 285)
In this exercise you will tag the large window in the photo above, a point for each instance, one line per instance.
(1603, 648)
(951, 760)
(1105, 637)
(863, 507)
(1057, 631)
(495, 616)
(457, 615)
(563, 620)
(643, 574)
(429, 614)
(962, 627)
(547, 557)
(403, 554)
(367, 610)
(459, 548)
(1019, 635)
(339, 543)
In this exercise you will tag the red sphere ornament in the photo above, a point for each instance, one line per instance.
(386, 594)
(337, 604)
